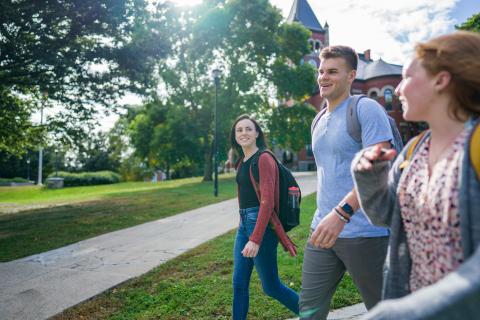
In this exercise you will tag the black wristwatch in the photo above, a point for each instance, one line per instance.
(347, 208)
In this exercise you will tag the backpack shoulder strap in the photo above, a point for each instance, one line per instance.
(316, 119)
(412, 148)
(254, 171)
(353, 124)
(475, 149)
(254, 164)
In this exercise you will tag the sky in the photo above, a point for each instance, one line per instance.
(389, 28)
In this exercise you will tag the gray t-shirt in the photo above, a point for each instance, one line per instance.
(334, 151)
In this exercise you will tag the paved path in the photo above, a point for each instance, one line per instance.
(42, 285)
(354, 312)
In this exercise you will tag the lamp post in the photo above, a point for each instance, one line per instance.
(56, 163)
(216, 73)
(40, 150)
(28, 169)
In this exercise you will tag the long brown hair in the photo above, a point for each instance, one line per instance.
(260, 141)
(457, 53)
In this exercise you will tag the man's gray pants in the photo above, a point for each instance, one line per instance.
(323, 269)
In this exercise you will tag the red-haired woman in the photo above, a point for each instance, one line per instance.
(430, 198)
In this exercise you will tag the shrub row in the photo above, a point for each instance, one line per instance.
(87, 178)
(7, 182)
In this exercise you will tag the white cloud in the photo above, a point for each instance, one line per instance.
(389, 28)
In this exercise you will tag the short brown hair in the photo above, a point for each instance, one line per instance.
(344, 52)
(457, 53)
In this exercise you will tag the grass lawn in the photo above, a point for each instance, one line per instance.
(197, 285)
(36, 194)
(103, 209)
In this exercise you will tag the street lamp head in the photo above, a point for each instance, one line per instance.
(216, 74)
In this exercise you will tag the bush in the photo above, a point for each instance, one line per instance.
(7, 182)
(87, 178)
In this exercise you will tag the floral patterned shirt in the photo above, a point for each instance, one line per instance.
(429, 210)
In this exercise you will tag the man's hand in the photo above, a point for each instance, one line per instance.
(250, 250)
(327, 231)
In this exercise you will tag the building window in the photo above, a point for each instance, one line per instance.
(374, 95)
(317, 46)
(310, 43)
(388, 95)
(356, 91)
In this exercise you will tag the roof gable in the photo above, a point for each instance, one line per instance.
(379, 68)
(303, 13)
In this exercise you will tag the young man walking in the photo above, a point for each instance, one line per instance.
(342, 238)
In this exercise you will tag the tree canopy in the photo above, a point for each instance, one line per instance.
(472, 23)
(79, 54)
(289, 127)
(260, 59)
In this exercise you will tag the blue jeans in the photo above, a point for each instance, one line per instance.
(265, 263)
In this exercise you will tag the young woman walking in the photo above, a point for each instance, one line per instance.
(260, 229)
(430, 198)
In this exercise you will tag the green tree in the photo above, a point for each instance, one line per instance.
(255, 50)
(289, 127)
(164, 137)
(17, 134)
(84, 54)
(97, 154)
(472, 23)
(118, 142)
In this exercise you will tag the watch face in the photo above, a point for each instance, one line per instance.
(347, 208)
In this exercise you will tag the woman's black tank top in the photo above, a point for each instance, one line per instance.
(247, 196)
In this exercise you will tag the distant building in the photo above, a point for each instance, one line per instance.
(376, 79)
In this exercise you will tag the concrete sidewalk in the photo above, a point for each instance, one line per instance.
(348, 313)
(42, 285)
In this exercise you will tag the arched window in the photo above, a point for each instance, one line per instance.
(310, 43)
(317, 46)
(388, 95)
(374, 95)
